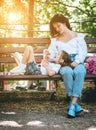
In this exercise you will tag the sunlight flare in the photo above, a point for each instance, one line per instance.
(13, 17)
(35, 123)
(10, 123)
(9, 113)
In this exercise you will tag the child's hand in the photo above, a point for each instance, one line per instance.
(44, 63)
(46, 54)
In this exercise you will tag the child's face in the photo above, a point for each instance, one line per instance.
(58, 58)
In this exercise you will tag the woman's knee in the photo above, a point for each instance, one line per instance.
(80, 70)
(66, 70)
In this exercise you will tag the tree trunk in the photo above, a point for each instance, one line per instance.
(30, 18)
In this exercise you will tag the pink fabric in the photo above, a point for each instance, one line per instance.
(90, 65)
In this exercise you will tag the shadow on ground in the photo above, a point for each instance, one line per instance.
(44, 115)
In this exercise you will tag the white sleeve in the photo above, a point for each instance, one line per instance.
(52, 66)
(82, 49)
(52, 49)
(43, 70)
(57, 68)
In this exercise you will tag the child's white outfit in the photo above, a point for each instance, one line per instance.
(52, 66)
(19, 70)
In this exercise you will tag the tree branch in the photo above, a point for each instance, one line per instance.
(87, 13)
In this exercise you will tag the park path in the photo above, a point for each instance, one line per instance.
(44, 115)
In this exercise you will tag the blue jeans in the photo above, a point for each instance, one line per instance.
(73, 79)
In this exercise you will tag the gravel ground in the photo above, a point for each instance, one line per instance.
(44, 115)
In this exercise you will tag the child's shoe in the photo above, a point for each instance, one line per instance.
(18, 70)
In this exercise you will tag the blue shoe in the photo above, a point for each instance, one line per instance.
(71, 111)
(78, 108)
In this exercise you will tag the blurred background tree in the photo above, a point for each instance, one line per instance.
(30, 18)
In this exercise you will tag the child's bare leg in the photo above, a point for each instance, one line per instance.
(27, 58)
(28, 55)
(18, 57)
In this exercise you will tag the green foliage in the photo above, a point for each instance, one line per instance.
(47, 9)
(81, 13)
(83, 16)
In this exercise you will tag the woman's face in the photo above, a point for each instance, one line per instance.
(59, 27)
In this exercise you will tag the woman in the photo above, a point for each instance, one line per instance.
(74, 44)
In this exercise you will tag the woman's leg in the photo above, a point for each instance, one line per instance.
(79, 76)
(73, 80)
(67, 75)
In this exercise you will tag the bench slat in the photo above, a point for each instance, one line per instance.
(90, 76)
(12, 60)
(29, 77)
(90, 40)
(92, 49)
(28, 40)
(37, 77)
(31, 40)
(36, 50)
(9, 50)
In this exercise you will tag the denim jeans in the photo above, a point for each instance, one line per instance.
(73, 79)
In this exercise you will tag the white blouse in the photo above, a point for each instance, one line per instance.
(76, 46)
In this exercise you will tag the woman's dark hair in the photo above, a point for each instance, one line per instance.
(58, 18)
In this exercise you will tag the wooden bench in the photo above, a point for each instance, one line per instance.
(39, 44)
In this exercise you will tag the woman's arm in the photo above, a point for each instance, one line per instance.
(82, 50)
(52, 49)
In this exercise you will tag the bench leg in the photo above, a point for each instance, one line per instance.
(54, 85)
(95, 83)
(50, 85)
(1, 85)
(47, 85)
(5, 85)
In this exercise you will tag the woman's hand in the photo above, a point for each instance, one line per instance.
(74, 64)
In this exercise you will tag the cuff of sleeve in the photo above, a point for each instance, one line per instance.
(77, 61)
